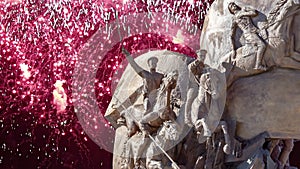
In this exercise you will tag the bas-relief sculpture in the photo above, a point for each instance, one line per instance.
(235, 106)
(164, 120)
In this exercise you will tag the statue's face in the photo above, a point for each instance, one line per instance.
(233, 7)
(201, 54)
(152, 64)
(201, 57)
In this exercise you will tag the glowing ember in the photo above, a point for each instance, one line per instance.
(59, 96)
(24, 68)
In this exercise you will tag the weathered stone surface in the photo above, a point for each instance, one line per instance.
(120, 143)
(267, 102)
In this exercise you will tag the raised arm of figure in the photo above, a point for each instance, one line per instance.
(133, 64)
(248, 11)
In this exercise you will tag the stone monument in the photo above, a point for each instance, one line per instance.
(235, 106)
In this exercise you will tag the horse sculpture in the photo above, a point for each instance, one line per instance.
(156, 121)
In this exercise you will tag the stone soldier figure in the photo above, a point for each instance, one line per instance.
(242, 19)
(200, 105)
(151, 82)
(196, 68)
(151, 78)
(162, 109)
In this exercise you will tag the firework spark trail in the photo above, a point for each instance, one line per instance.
(47, 36)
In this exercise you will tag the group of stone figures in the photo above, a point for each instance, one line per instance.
(157, 138)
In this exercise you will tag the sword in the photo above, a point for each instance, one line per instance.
(174, 165)
(118, 29)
